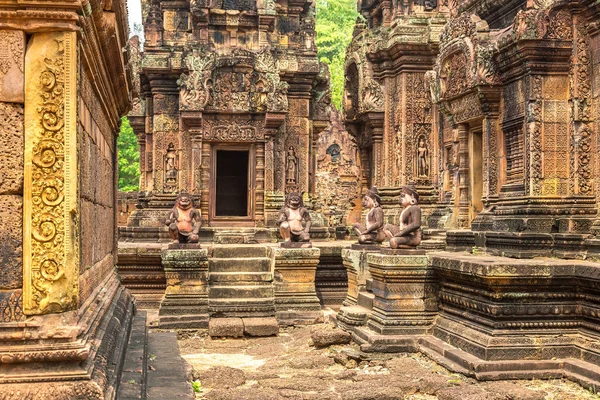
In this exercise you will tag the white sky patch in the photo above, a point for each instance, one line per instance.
(134, 8)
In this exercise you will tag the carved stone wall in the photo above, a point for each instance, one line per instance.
(338, 175)
(65, 317)
(11, 172)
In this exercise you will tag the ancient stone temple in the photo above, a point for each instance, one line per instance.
(504, 149)
(64, 86)
(388, 108)
(232, 102)
(516, 84)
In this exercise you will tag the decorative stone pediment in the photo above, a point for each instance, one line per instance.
(240, 81)
(465, 65)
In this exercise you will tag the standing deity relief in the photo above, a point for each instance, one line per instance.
(171, 168)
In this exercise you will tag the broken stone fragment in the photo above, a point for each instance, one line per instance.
(329, 337)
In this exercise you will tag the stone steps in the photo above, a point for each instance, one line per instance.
(245, 278)
(241, 291)
(239, 251)
(240, 286)
(133, 378)
(249, 264)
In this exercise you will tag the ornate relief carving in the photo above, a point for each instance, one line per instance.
(197, 84)
(51, 254)
(582, 112)
(238, 130)
(372, 97)
(462, 27)
(453, 76)
(11, 306)
(11, 50)
(533, 154)
(466, 108)
(560, 26)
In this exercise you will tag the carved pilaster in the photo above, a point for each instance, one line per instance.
(463, 176)
(50, 196)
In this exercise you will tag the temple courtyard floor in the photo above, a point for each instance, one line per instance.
(289, 366)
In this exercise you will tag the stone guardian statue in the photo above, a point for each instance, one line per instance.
(291, 217)
(372, 232)
(184, 220)
(408, 234)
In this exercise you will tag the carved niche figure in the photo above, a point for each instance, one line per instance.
(171, 167)
(335, 152)
(373, 231)
(430, 5)
(184, 220)
(408, 234)
(291, 168)
(422, 158)
(291, 217)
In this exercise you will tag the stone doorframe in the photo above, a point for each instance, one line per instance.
(215, 220)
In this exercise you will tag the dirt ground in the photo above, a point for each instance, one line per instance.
(289, 367)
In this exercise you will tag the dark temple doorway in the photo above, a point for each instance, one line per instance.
(232, 183)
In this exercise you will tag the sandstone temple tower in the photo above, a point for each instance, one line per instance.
(517, 84)
(232, 101)
(387, 105)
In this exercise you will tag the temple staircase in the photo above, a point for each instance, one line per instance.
(241, 296)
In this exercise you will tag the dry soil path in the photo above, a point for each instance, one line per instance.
(289, 367)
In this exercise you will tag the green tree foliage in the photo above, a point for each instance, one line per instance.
(129, 158)
(334, 25)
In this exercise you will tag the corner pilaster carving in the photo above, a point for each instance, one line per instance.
(50, 206)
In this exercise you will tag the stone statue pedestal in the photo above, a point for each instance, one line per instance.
(403, 252)
(185, 304)
(358, 303)
(295, 245)
(405, 301)
(366, 247)
(296, 301)
(184, 246)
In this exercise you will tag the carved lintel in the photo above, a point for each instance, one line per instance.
(50, 194)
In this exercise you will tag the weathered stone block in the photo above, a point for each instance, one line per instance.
(226, 327)
(185, 304)
(260, 326)
(357, 268)
(295, 294)
(405, 299)
(11, 245)
(11, 147)
(329, 337)
(12, 72)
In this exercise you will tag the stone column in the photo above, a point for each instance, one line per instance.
(185, 304)
(296, 300)
(405, 300)
(463, 176)
(377, 174)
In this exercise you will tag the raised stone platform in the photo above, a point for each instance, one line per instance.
(487, 317)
